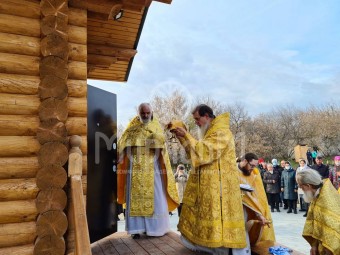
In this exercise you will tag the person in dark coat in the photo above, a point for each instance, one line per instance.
(322, 169)
(272, 180)
(309, 157)
(289, 187)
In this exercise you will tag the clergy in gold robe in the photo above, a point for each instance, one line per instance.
(258, 218)
(212, 215)
(322, 226)
(145, 178)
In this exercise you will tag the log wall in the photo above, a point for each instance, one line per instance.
(26, 100)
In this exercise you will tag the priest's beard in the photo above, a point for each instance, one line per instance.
(308, 196)
(203, 130)
(145, 120)
(245, 171)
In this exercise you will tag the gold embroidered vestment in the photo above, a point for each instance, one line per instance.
(212, 214)
(322, 227)
(142, 143)
(261, 237)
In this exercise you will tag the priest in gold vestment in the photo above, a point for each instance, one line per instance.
(322, 227)
(260, 230)
(212, 216)
(145, 178)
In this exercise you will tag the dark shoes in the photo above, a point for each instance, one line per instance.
(305, 215)
(272, 210)
(278, 210)
(289, 211)
(280, 204)
(135, 236)
(295, 212)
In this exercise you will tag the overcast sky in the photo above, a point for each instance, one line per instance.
(263, 53)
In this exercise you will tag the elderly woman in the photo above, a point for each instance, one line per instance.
(181, 181)
(272, 180)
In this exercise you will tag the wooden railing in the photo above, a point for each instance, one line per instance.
(77, 205)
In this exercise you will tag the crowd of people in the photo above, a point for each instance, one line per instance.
(224, 203)
(281, 185)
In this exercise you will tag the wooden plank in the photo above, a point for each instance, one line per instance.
(96, 250)
(174, 237)
(107, 247)
(107, 78)
(130, 20)
(133, 23)
(112, 35)
(163, 246)
(149, 246)
(110, 43)
(95, 23)
(175, 243)
(121, 241)
(113, 31)
(134, 246)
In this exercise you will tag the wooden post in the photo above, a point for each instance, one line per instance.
(77, 205)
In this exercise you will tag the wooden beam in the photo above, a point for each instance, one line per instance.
(18, 189)
(23, 8)
(164, 1)
(133, 7)
(18, 250)
(28, 85)
(119, 53)
(19, 25)
(17, 104)
(19, 167)
(18, 146)
(100, 60)
(18, 211)
(15, 234)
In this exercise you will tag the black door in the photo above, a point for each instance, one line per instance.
(101, 205)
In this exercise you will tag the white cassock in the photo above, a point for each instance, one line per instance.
(159, 223)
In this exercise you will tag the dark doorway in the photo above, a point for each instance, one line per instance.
(101, 205)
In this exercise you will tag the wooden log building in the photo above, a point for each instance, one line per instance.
(48, 50)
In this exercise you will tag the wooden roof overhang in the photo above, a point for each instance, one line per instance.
(112, 44)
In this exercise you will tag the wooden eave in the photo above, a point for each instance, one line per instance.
(112, 44)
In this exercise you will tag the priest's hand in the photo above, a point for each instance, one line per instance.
(263, 220)
(179, 132)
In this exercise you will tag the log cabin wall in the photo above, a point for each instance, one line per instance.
(33, 122)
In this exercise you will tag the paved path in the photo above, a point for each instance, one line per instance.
(288, 229)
